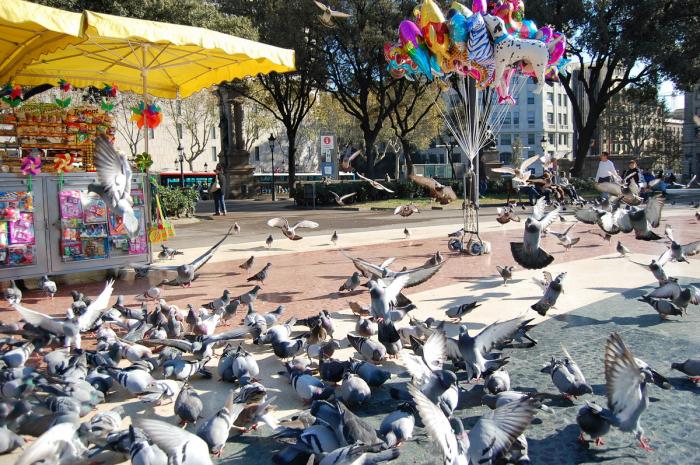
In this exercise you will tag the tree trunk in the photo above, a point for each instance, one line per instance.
(291, 158)
(225, 125)
(370, 154)
(189, 164)
(583, 144)
(406, 148)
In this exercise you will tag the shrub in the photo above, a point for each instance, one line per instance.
(176, 201)
(583, 184)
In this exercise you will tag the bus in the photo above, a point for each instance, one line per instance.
(192, 178)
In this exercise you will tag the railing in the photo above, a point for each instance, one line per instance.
(433, 170)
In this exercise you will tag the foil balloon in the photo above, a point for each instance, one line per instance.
(399, 64)
(435, 32)
(412, 42)
(557, 47)
(511, 12)
(457, 7)
(528, 29)
(503, 88)
(479, 6)
(481, 55)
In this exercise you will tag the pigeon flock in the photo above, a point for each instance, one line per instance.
(55, 372)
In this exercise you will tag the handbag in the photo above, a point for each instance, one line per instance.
(215, 185)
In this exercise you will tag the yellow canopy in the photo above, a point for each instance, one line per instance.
(28, 30)
(164, 60)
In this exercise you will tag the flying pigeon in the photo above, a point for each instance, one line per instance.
(375, 184)
(506, 272)
(406, 210)
(290, 231)
(443, 194)
(341, 200)
(528, 253)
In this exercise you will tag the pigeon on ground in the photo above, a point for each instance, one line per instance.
(58, 442)
(268, 241)
(406, 233)
(168, 252)
(290, 231)
(459, 311)
(9, 441)
(142, 452)
(188, 405)
(248, 264)
(506, 273)
(375, 184)
(528, 253)
(551, 294)
(567, 376)
(690, 367)
(182, 370)
(340, 201)
(49, 287)
(238, 365)
(389, 337)
(13, 294)
(334, 238)
(373, 375)
(261, 275)
(590, 419)
(397, 427)
(622, 250)
(351, 283)
(114, 183)
(215, 431)
(366, 327)
(498, 381)
(236, 229)
(181, 446)
(135, 381)
(663, 307)
(219, 303)
(354, 391)
(249, 297)
(306, 386)
(372, 351)
(360, 454)
(186, 273)
(384, 296)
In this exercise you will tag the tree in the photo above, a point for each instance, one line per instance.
(194, 117)
(356, 67)
(618, 44)
(123, 124)
(289, 97)
(258, 123)
(633, 121)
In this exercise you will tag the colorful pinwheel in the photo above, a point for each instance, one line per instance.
(148, 115)
(13, 94)
(143, 162)
(30, 166)
(65, 87)
(63, 162)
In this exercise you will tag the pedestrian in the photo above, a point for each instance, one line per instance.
(606, 171)
(218, 190)
(633, 172)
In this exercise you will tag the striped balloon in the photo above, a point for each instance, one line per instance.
(481, 51)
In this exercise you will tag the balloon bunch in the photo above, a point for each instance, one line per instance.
(489, 43)
(65, 88)
(13, 94)
(148, 115)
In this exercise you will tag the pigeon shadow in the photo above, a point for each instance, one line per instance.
(642, 321)
(541, 451)
(681, 383)
(261, 248)
(330, 295)
(624, 291)
(278, 297)
(175, 297)
(573, 321)
(332, 278)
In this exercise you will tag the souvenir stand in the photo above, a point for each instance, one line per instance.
(49, 223)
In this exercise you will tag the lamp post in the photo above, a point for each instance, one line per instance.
(271, 140)
(544, 143)
(206, 167)
(181, 159)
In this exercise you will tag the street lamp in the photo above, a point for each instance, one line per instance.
(271, 140)
(544, 143)
(181, 159)
(206, 166)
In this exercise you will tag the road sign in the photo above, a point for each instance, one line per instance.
(328, 150)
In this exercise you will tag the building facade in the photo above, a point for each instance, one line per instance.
(691, 133)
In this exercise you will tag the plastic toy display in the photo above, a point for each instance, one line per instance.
(17, 238)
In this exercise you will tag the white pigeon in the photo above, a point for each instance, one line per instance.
(328, 14)
(181, 447)
(290, 231)
(521, 174)
(375, 184)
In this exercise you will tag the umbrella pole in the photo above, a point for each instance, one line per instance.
(144, 77)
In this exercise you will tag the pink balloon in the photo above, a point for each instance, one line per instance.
(479, 6)
(559, 47)
(410, 32)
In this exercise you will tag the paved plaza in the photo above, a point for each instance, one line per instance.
(600, 297)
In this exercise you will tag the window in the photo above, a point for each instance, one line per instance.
(531, 119)
(530, 98)
(561, 139)
(550, 98)
(564, 120)
(151, 134)
(516, 118)
(530, 139)
(505, 139)
(531, 154)
(550, 136)
(560, 119)
(566, 139)
(212, 132)
(257, 153)
(505, 157)
(559, 99)
(214, 156)
(550, 118)
(506, 119)
(565, 98)
(178, 130)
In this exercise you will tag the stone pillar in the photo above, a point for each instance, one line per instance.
(235, 158)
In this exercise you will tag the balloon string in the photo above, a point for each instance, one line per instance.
(29, 183)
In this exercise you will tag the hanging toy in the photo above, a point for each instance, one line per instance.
(65, 87)
(110, 91)
(13, 94)
(106, 105)
(143, 162)
(63, 163)
(147, 115)
(31, 166)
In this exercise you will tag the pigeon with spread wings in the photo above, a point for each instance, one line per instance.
(186, 273)
(443, 194)
(290, 231)
(114, 183)
(528, 253)
(328, 15)
(521, 173)
(416, 275)
(341, 200)
(678, 252)
(346, 161)
(375, 184)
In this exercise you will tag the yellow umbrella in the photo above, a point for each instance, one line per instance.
(28, 30)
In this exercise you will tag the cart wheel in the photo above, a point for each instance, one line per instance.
(475, 248)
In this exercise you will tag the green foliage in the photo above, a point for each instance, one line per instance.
(583, 184)
(176, 201)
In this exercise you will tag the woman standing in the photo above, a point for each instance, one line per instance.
(218, 190)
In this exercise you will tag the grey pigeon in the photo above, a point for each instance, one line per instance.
(371, 351)
(187, 272)
(114, 183)
(678, 252)
(168, 252)
(287, 348)
(48, 286)
(474, 350)
(261, 275)
(591, 421)
(528, 253)
(354, 391)
(406, 233)
(272, 317)
(340, 201)
(188, 405)
(389, 337)
(142, 452)
(657, 270)
(249, 297)
(239, 366)
(236, 228)
(366, 327)
(9, 441)
(248, 264)
(373, 375)
(183, 370)
(134, 381)
(181, 446)
(459, 311)
(351, 283)
(383, 295)
(664, 308)
(690, 367)
(551, 294)
(18, 356)
(498, 381)
(567, 376)
(306, 386)
(506, 273)
(215, 431)
(13, 294)
(622, 250)
(360, 454)
(397, 427)
(59, 441)
(332, 371)
(220, 302)
(161, 390)
(644, 219)
(334, 238)
(290, 231)
(268, 241)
